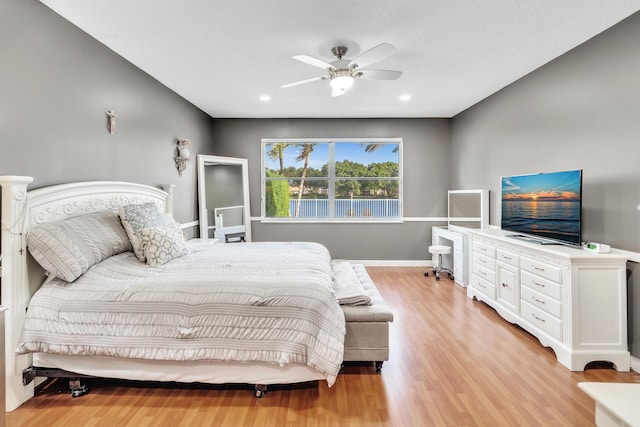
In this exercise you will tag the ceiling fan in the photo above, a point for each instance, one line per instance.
(343, 72)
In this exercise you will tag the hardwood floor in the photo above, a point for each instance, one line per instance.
(453, 362)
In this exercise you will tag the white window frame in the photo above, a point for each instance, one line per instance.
(331, 181)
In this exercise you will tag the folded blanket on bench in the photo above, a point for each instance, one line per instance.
(348, 288)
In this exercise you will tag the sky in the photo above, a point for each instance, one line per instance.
(351, 151)
(544, 186)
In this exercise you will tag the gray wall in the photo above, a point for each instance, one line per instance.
(579, 111)
(426, 156)
(56, 83)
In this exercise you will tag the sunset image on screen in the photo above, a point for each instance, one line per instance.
(545, 204)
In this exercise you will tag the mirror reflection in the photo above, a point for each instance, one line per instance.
(223, 198)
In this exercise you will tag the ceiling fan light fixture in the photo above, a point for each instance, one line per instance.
(342, 72)
(341, 82)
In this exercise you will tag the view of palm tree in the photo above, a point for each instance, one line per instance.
(364, 179)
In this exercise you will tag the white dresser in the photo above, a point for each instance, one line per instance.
(572, 300)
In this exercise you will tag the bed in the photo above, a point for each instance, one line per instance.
(245, 275)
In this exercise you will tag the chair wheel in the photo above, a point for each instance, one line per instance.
(426, 274)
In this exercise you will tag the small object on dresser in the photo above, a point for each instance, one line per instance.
(599, 248)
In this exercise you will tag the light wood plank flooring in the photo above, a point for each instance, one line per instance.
(453, 362)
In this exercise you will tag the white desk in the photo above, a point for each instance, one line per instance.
(457, 260)
(616, 403)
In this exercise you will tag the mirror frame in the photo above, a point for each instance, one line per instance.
(208, 160)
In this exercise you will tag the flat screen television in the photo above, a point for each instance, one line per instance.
(544, 208)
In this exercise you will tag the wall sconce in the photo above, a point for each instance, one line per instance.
(111, 121)
(182, 156)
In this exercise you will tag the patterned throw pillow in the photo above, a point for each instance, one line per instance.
(136, 217)
(68, 248)
(163, 244)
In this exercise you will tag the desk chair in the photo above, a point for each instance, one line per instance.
(437, 261)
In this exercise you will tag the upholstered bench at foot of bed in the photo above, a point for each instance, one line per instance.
(367, 337)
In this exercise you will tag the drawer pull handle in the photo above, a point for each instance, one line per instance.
(539, 284)
(482, 286)
(538, 268)
(483, 273)
(506, 257)
(539, 301)
(504, 285)
(484, 261)
(538, 318)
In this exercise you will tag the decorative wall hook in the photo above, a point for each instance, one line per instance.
(182, 156)
(111, 121)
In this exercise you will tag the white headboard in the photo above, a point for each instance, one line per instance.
(22, 210)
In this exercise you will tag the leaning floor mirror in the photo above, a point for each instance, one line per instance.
(223, 198)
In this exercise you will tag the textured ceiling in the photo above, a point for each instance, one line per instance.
(223, 55)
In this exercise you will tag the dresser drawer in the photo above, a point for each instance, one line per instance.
(541, 320)
(484, 261)
(483, 286)
(543, 302)
(544, 286)
(541, 269)
(484, 249)
(484, 273)
(507, 257)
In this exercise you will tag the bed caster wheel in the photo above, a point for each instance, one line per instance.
(378, 367)
(261, 390)
(79, 392)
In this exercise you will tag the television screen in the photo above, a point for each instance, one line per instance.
(544, 205)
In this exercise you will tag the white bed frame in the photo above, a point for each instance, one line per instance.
(21, 277)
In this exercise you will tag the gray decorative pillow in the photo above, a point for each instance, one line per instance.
(163, 244)
(66, 249)
(136, 217)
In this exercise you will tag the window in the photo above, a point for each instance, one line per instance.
(318, 180)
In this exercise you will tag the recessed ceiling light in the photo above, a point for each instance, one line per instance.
(265, 98)
(405, 97)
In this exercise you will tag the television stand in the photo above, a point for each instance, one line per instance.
(571, 300)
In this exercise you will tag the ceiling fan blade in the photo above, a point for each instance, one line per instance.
(313, 61)
(373, 55)
(303, 82)
(380, 74)
(337, 92)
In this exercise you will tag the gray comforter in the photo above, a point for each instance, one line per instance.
(267, 302)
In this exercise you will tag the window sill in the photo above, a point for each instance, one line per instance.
(331, 220)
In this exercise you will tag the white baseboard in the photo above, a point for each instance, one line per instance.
(393, 263)
(635, 363)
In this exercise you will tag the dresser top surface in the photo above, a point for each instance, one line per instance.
(559, 250)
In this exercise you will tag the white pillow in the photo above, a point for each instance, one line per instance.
(163, 244)
(66, 249)
(136, 217)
